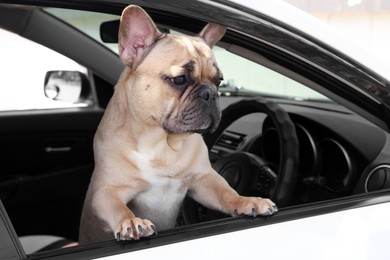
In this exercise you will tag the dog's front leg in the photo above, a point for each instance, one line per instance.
(110, 204)
(212, 191)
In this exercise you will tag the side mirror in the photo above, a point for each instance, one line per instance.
(68, 86)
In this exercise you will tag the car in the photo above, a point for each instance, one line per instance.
(305, 121)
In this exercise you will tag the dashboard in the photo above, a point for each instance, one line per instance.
(336, 147)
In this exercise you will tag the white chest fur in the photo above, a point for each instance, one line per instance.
(167, 182)
(161, 202)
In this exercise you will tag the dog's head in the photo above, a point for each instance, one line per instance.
(174, 78)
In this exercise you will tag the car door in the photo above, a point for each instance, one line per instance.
(46, 155)
(46, 143)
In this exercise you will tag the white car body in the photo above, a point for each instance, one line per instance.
(358, 234)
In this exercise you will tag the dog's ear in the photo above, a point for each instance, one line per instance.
(137, 32)
(212, 33)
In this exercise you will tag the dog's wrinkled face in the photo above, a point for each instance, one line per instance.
(186, 79)
(176, 81)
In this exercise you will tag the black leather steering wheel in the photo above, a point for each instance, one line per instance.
(247, 173)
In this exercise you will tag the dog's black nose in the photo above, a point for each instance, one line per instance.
(207, 94)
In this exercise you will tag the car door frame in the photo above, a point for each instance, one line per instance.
(12, 249)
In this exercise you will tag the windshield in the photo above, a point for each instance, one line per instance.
(242, 77)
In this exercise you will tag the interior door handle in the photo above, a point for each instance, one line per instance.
(53, 145)
(64, 149)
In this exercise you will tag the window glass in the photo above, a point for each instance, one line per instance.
(23, 67)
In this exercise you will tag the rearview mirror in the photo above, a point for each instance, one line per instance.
(68, 86)
(109, 31)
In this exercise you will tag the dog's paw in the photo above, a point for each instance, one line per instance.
(134, 229)
(252, 206)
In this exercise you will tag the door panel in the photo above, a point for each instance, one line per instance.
(46, 164)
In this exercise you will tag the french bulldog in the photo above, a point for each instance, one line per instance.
(148, 148)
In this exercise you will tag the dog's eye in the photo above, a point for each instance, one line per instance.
(179, 81)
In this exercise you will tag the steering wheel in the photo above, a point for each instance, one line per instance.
(247, 173)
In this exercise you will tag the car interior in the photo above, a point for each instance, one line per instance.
(299, 151)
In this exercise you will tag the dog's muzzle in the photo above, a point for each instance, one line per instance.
(210, 99)
(200, 113)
